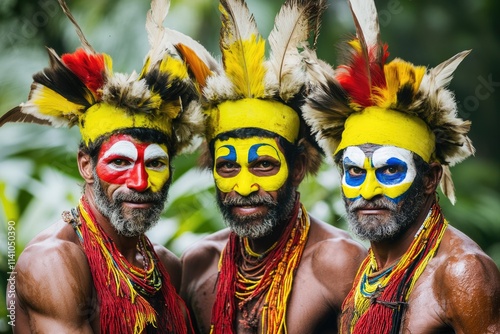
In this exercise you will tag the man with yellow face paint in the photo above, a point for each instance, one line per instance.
(96, 271)
(275, 269)
(393, 130)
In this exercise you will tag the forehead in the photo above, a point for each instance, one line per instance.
(378, 154)
(124, 142)
(248, 144)
(121, 137)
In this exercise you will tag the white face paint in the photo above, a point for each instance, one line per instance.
(156, 152)
(389, 171)
(123, 149)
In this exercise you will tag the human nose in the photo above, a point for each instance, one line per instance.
(245, 184)
(138, 179)
(371, 187)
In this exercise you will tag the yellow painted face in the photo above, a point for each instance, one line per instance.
(247, 165)
(389, 171)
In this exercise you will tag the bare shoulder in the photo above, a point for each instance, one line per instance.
(200, 261)
(171, 262)
(334, 246)
(206, 248)
(333, 258)
(459, 257)
(53, 280)
(467, 284)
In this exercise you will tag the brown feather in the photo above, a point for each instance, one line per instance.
(196, 66)
(15, 115)
(85, 44)
(446, 184)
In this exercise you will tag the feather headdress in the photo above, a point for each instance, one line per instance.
(250, 91)
(368, 100)
(81, 89)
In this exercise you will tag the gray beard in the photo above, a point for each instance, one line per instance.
(257, 226)
(376, 229)
(133, 222)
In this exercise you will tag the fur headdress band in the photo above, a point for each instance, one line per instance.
(248, 91)
(81, 89)
(367, 100)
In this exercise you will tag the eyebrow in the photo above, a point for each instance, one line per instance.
(154, 151)
(122, 148)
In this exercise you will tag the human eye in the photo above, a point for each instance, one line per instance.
(265, 165)
(355, 171)
(120, 163)
(156, 164)
(391, 170)
(226, 167)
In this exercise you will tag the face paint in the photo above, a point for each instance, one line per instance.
(389, 171)
(139, 166)
(245, 165)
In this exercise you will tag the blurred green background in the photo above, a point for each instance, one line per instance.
(38, 174)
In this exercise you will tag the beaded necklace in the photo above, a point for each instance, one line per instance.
(124, 290)
(264, 280)
(377, 301)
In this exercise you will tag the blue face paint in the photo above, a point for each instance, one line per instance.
(394, 172)
(252, 152)
(254, 163)
(231, 155)
(353, 179)
(388, 171)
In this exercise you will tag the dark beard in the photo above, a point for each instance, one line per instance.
(404, 215)
(257, 225)
(133, 222)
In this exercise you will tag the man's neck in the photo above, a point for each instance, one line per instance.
(388, 252)
(126, 245)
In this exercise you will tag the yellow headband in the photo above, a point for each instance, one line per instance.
(254, 113)
(375, 125)
(103, 118)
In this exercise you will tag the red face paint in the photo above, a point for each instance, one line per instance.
(123, 160)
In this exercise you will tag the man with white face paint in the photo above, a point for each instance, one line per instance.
(276, 269)
(392, 129)
(96, 271)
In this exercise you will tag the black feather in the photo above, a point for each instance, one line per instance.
(63, 81)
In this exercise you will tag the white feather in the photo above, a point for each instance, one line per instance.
(441, 75)
(155, 29)
(366, 20)
(241, 22)
(292, 28)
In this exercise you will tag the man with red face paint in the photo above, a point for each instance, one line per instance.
(276, 269)
(96, 271)
(394, 131)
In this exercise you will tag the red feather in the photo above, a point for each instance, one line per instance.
(359, 80)
(87, 67)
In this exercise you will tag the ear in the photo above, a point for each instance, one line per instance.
(432, 178)
(299, 170)
(85, 167)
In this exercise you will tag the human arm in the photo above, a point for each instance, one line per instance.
(470, 293)
(54, 289)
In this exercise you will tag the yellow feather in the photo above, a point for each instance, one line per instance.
(52, 104)
(108, 63)
(174, 67)
(356, 45)
(398, 74)
(244, 65)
